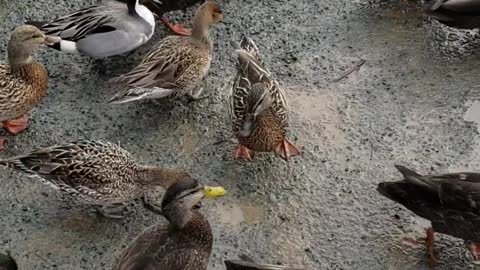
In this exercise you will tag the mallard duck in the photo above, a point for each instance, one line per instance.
(185, 242)
(450, 201)
(258, 107)
(246, 263)
(164, 6)
(23, 82)
(464, 14)
(106, 29)
(176, 66)
(97, 172)
(7, 262)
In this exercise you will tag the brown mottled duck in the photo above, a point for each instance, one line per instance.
(97, 172)
(258, 107)
(23, 82)
(184, 243)
(175, 67)
(450, 201)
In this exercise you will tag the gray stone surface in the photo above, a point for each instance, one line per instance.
(405, 105)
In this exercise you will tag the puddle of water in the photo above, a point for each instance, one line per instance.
(236, 214)
(473, 113)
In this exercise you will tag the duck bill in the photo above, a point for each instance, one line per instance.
(214, 192)
(50, 40)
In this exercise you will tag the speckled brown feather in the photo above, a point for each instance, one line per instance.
(175, 63)
(96, 171)
(165, 247)
(21, 89)
(271, 125)
(175, 67)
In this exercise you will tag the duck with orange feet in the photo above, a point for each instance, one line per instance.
(23, 81)
(258, 107)
(450, 201)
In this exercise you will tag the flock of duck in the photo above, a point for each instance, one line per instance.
(106, 176)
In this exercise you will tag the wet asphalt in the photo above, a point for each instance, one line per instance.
(406, 104)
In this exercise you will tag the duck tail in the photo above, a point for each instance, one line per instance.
(249, 45)
(414, 178)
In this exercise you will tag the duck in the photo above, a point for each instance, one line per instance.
(99, 173)
(246, 263)
(258, 107)
(102, 30)
(23, 81)
(161, 7)
(175, 67)
(7, 262)
(462, 14)
(184, 242)
(451, 202)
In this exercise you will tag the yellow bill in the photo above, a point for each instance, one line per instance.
(214, 192)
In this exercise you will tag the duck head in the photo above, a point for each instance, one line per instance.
(24, 40)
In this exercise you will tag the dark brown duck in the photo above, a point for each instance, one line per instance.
(450, 201)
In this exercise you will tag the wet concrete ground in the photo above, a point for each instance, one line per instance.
(410, 103)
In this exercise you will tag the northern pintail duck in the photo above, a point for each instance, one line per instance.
(258, 107)
(160, 7)
(464, 14)
(185, 242)
(176, 66)
(103, 30)
(23, 82)
(97, 172)
(450, 201)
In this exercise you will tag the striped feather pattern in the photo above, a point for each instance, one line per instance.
(96, 171)
(252, 70)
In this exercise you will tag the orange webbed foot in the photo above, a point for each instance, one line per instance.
(243, 152)
(16, 126)
(178, 29)
(285, 150)
(432, 259)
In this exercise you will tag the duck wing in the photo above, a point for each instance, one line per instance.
(83, 167)
(158, 248)
(168, 70)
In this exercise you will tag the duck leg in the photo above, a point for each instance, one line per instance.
(431, 248)
(285, 150)
(178, 29)
(2, 143)
(16, 126)
(242, 152)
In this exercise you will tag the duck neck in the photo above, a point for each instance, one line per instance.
(163, 177)
(18, 57)
(193, 223)
(132, 7)
(200, 27)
